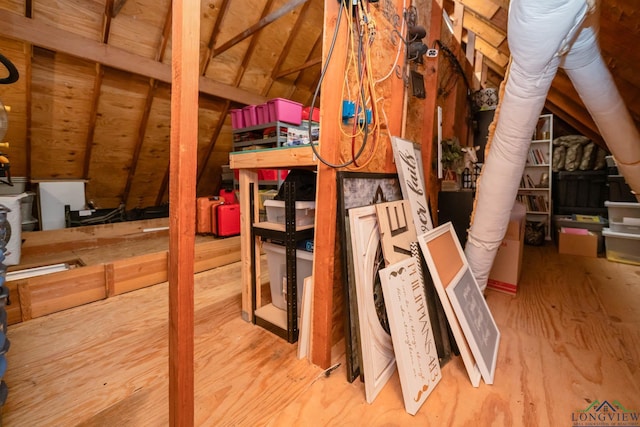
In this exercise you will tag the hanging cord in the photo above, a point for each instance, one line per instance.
(315, 96)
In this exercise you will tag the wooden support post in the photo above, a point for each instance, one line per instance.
(248, 177)
(182, 191)
(325, 233)
(431, 83)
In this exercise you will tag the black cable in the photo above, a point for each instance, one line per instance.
(315, 95)
(13, 71)
(456, 64)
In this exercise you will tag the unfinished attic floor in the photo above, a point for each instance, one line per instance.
(569, 338)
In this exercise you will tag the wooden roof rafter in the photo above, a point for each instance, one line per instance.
(316, 81)
(58, 40)
(225, 110)
(275, 73)
(97, 87)
(144, 121)
(263, 22)
(224, 7)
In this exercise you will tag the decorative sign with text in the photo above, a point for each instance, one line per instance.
(408, 164)
(411, 333)
(396, 230)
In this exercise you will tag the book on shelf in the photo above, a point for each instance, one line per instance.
(534, 203)
(537, 157)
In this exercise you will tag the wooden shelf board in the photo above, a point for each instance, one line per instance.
(274, 226)
(273, 315)
(273, 158)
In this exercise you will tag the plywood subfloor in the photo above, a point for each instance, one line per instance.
(570, 337)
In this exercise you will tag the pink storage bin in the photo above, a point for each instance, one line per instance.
(237, 119)
(262, 112)
(250, 115)
(285, 110)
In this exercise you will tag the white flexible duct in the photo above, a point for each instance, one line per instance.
(541, 35)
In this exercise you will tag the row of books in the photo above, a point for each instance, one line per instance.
(534, 203)
(537, 157)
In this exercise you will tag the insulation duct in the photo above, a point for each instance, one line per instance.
(543, 36)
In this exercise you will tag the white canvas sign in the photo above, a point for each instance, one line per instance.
(409, 167)
(413, 340)
(378, 359)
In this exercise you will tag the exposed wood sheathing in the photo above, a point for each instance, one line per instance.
(75, 118)
(97, 114)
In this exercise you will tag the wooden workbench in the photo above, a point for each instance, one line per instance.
(248, 163)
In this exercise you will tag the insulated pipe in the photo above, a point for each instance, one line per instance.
(541, 34)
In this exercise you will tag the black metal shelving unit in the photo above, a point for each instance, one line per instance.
(291, 236)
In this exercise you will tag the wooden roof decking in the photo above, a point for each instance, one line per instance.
(93, 99)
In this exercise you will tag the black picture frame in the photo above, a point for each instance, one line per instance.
(357, 189)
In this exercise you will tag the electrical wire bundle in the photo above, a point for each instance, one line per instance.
(365, 129)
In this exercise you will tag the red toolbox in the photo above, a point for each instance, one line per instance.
(228, 220)
(204, 207)
(229, 196)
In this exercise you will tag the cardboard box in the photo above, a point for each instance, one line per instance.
(583, 243)
(505, 273)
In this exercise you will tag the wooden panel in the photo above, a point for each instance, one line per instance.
(138, 27)
(153, 160)
(62, 91)
(60, 291)
(139, 272)
(115, 136)
(85, 21)
(226, 66)
(215, 253)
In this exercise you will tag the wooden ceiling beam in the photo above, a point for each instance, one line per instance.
(499, 59)
(481, 7)
(214, 35)
(482, 28)
(52, 38)
(307, 64)
(263, 22)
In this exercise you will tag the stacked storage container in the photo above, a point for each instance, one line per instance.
(622, 238)
(4, 299)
